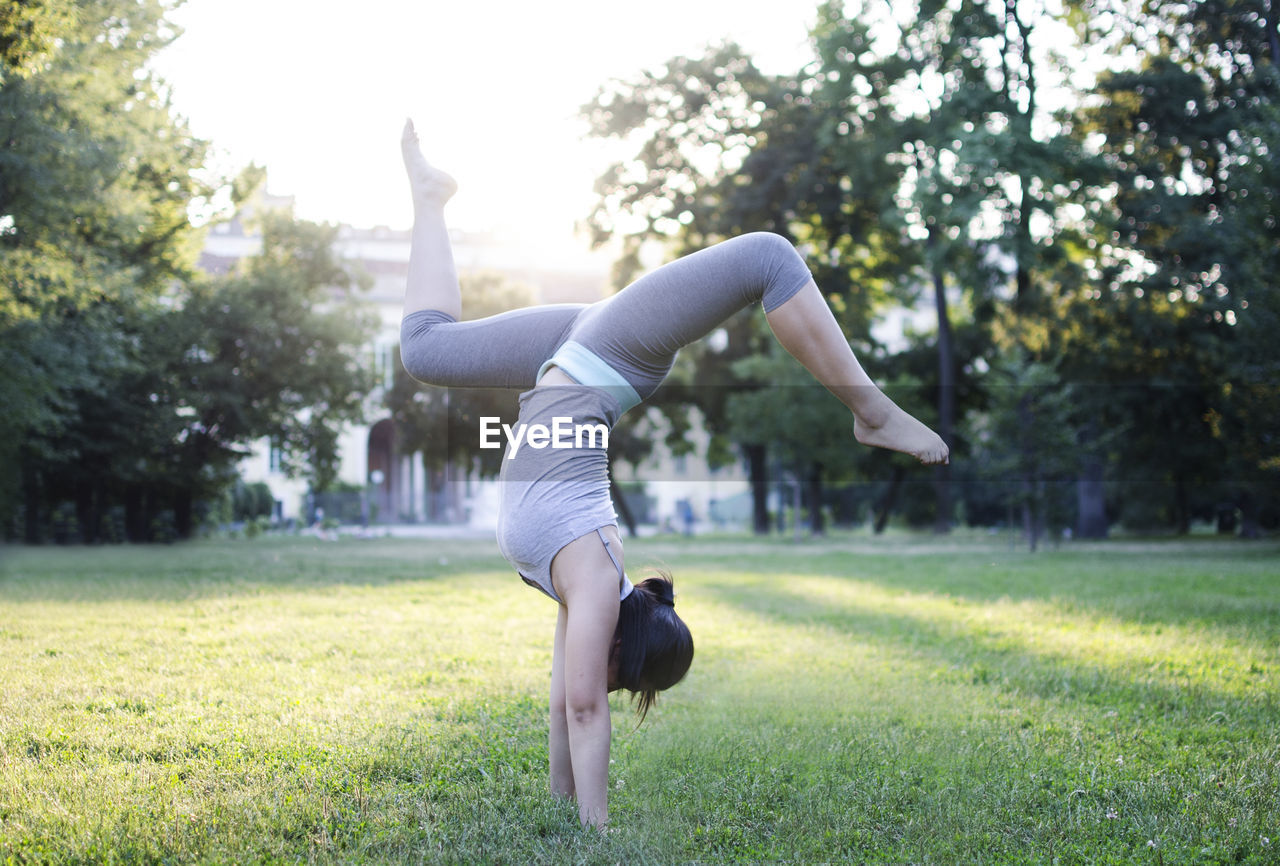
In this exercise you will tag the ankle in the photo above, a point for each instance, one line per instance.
(426, 210)
(871, 407)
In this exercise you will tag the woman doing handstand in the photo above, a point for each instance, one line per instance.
(591, 363)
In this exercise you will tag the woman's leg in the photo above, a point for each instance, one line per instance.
(806, 328)
(503, 351)
(433, 279)
(639, 330)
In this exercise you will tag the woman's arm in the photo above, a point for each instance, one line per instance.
(588, 634)
(561, 765)
(587, 581)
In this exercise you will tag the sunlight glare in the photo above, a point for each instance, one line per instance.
(318, 95)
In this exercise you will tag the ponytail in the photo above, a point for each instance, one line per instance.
(655, 646)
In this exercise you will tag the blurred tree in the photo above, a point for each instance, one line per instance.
(911, 157)
(95, 183)
(1191, 136)
(1123, 237)
(997, 190)
(249, 501)
(272, 350)
(1028, 440)
(904, 101)
(807, 430)
(695, 177)
(29, 33)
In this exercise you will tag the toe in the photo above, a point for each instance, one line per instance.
(409, 138)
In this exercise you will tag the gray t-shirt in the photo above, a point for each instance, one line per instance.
(551, 495)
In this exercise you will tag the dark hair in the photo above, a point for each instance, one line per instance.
(655, 648)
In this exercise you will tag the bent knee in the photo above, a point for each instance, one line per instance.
(419, 356)
(770, 242)
(782, 270)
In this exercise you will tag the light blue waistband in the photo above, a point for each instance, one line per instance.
(587, 368)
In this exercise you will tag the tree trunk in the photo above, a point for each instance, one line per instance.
(1227, 519)
(1273, 32)
(817, 523)
(1030, 521)
(942, 498)
(1249, 527)
(1182, 507)
(135, 523)
(31, 503)
(946, 391)
(1042, 510)
(182, 507)
(1020, 119)
(889, 499)
(1091, 501)
(758, 477)
(1030, 525)
(86, 512)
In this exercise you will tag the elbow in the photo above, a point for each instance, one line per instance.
(585, 711)
(587, 717)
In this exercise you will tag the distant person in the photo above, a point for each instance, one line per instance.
(685, 509)
(590, 364)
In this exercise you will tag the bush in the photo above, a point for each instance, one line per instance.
(249, 501)
(163, 527)
(255, 527)
(66, 525)
(111, 527)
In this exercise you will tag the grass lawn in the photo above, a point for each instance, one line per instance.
(852, 699)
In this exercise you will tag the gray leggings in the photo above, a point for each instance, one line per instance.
(636, 332)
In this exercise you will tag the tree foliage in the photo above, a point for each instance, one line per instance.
(95, 180)
(272, 350)
(134, 384)
(1190, 137)
(1120, 236)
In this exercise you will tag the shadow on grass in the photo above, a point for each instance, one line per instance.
(220, 568)
(1215, 584)
(966, 657)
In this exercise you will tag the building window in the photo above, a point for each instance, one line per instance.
(275, 457)
(384, 364)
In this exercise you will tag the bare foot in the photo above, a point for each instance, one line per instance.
(888, 426)
(429, 185)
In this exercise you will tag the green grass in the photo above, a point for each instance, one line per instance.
(855, 699)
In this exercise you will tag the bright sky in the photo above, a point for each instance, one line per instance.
(318, 90)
